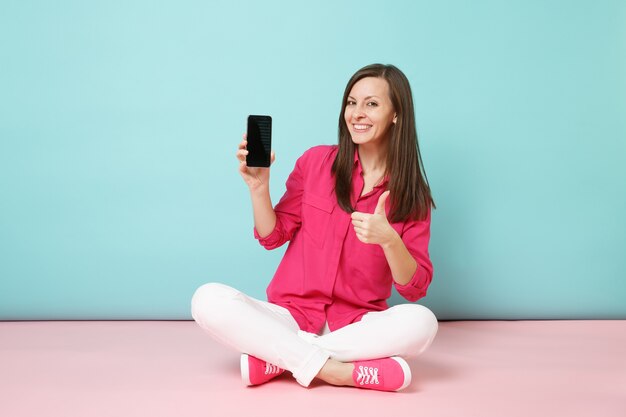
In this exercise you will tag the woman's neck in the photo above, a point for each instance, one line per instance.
(373, 159)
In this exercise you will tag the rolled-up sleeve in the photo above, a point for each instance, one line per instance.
(416, 236)
(288, 210)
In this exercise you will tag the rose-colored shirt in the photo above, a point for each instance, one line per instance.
(327, 274)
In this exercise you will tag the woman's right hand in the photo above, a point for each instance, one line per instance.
(254, 177)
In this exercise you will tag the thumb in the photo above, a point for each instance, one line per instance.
(380, 207)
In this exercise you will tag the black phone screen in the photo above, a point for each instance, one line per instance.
(259, 141)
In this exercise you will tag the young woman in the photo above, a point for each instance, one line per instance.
(357, 218)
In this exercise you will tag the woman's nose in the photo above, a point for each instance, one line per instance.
(358, 113)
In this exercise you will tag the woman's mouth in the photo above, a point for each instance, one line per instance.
(360, 128)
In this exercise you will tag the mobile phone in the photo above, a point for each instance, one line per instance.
(259, 141)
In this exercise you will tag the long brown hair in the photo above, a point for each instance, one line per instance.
(409, 189)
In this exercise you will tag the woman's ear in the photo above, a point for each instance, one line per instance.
(395, 118)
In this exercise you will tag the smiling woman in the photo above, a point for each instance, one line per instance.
(327, 315)
(378, 118)
(369, 112)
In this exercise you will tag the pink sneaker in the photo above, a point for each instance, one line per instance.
(254, 371)
(387, 374)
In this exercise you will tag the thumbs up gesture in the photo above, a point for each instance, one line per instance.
(374, 228)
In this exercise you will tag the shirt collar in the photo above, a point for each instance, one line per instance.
(357, 163)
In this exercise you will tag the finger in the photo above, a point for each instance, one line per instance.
(272, 157)
(356, 215)
(243, 144)
(358, 228)
(361, 237)
(380, 207)
(241, 154)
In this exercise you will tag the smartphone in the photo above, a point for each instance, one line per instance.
(259, 141)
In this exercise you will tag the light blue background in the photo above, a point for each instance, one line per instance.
(119, 120)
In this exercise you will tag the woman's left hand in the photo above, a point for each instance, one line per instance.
(374, 228)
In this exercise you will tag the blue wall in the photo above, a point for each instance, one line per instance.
(119, 120)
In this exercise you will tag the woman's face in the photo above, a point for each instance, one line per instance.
(369, 113)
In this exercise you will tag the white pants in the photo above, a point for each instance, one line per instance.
(269, 332)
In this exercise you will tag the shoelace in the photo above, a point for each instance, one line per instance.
(367, 375)
(271, 369)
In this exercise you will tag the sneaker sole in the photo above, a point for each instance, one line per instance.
(405, 369)
(245, 370)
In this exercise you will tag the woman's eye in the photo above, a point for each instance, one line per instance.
(372, 104)
(350, 103)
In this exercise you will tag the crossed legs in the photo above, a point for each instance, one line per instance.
(270, 333)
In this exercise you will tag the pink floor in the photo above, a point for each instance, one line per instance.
(492, 368)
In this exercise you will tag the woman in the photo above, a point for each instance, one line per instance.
(357, 216)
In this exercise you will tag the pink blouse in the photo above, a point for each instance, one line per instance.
(327, 274)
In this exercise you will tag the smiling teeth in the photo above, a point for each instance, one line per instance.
(361, 127)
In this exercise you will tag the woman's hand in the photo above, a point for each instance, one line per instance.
(374, 228)
(254, 177)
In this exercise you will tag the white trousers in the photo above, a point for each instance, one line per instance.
(269, 332)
